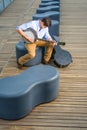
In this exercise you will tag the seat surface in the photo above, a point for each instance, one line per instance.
(21, 93)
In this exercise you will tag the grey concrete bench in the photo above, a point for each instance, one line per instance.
(21, 93)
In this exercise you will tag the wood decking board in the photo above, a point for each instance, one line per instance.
(69, 110)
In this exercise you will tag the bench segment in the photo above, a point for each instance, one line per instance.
(54, 15)
(49, 3)
(47, 8)
(44, 1)
(21, 93)
(21, 50)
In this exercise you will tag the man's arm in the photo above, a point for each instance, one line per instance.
(53, 41)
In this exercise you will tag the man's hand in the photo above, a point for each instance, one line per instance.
(30, 39)
(54, 43)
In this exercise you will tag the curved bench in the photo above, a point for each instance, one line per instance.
(54, 15)
(49, 3)
(21, 50)
(21, 93)
(48, 8)
(44, 1)
(54, 29)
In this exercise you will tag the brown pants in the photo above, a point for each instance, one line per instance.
(31, 47)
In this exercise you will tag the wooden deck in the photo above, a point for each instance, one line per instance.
(69, 110)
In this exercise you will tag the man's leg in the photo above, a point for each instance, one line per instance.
(31, 53)
(49, 49)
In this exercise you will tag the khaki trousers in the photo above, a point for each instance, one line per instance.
(31, 47)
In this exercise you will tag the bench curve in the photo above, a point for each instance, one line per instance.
(21, 93)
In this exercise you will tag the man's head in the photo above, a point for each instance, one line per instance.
(45, 22)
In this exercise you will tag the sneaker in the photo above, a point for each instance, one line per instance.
(45, 62)
(19, 65)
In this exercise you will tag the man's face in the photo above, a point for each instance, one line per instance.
(42, 25)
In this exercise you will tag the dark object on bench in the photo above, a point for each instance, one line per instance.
(62, 58)
(21, 93)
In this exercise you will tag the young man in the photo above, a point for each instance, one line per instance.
(42, 31)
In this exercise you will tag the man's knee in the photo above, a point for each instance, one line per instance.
(51, 45)
(32, 55)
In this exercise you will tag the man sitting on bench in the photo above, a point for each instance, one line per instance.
(42, 38)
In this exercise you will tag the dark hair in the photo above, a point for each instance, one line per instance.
(46, 21)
